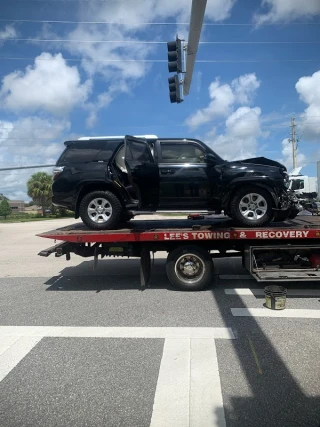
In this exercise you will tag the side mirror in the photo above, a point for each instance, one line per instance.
(209, 158)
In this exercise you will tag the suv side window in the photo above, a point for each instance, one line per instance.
(108, 148)
(137, 150)
(83, 151)
(181, 153)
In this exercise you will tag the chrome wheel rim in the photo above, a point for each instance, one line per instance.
(189, 268)
(253, 206)
(99, 210)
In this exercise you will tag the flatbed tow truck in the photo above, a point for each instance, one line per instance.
(284, 251)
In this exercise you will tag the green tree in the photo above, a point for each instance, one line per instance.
(39, 189)
(3, 197)
(5, 209)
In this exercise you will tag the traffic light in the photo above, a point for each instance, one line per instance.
(175, 52)
(174, 89)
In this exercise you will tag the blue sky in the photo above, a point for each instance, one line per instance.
(239, 108)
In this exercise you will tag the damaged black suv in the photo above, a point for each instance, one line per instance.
(108, 180)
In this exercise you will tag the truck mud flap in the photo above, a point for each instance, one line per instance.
(145, 267)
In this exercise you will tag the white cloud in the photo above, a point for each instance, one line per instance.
(9, 32)
(131, 14)
(104, 99)
(50, 85)
(29, 141)
(127, 16)
(308, 89)
(224, 97)
(240, 139)
(287, 10)
(245, 88)
(287, 159)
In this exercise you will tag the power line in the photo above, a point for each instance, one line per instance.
(215, 24)
(202, 61)
(26, 167)
(153, 41)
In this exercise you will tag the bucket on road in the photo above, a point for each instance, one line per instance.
(275, 297)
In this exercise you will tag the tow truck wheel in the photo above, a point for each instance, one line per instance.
(189, 268)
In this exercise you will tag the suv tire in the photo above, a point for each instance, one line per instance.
(252, 207)
(100, 210)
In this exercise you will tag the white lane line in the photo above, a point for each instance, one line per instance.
(7, 342)
(238, 291)
(265, 312)
(171, 402)
(235, 277)
(15, 353)
(206, 404)
(115, 332)
(260, 292)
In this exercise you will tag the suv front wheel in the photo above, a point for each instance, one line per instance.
(100, 210)
(252, 207)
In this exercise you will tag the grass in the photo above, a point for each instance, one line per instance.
(27, 217)
(11, 220)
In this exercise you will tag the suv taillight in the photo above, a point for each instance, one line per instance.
(57, 171)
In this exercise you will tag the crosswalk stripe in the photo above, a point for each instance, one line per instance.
(265, 312)
(171, 401)
(117, 332)
(259, 292)
(15, 353)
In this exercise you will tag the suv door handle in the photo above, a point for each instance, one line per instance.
(167, 171)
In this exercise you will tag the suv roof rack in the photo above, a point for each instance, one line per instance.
(87, 138)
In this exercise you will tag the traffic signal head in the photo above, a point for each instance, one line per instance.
(175, 51)
(174, 89)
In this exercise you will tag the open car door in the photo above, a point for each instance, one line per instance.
(142, 170)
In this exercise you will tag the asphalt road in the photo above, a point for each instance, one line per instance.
(91, 348)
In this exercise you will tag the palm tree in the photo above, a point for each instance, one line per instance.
(3, 197)
(39, 189)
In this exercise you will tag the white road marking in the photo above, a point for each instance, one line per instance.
(258, 292)
(115, 332)
(15, 353)
(206, 404)
(7, 342)
(238, 291)
(171, 401)
(188, 392)
(265, 312)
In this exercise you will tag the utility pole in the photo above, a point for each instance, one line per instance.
(294, 141)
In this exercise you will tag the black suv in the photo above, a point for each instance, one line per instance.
(106, 181)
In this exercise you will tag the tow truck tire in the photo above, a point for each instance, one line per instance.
(189, 268)
(100, 201)
(257, 201)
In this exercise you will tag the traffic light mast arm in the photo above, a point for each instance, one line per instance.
(196, 20)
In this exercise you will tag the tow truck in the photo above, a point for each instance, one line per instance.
(284, 251)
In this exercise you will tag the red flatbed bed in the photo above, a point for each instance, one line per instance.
(192, 244)
(303, 227)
